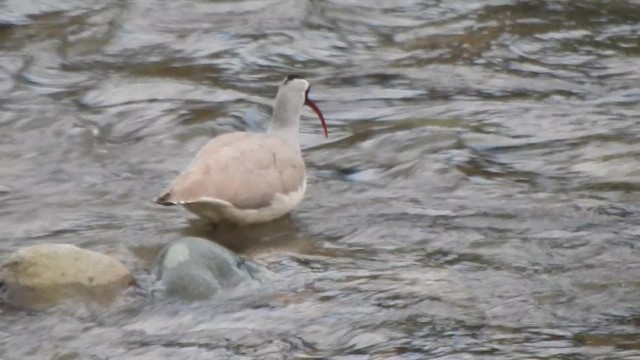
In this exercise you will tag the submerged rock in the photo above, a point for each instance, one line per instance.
(197, 269)
(41, 276)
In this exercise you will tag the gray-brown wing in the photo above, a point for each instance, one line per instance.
(244, 169)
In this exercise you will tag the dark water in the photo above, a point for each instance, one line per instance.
(477, 198)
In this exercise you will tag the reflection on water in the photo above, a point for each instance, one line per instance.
(477, 197)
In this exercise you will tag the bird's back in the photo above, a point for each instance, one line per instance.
(245, 170)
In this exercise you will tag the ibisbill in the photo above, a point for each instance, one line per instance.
(243, 177)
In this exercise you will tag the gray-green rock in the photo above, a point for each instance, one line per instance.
(197, 269)
(41, 276)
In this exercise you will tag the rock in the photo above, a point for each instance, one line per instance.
(197, 269)
(41, 276)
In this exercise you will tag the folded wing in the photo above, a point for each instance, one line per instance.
(245, 170)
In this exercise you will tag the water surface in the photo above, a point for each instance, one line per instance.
(477, 198)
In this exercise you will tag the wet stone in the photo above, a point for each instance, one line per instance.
(197, 269)
(41, 276)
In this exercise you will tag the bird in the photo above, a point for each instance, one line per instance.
(245, 178)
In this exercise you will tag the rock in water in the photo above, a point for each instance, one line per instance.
(41, 276)
(196, 269)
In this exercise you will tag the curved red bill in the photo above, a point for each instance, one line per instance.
(315, 109)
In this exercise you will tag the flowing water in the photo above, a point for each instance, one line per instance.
(478, 196)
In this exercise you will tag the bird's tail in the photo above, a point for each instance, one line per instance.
(164, 199)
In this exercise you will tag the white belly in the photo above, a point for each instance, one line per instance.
(219, 211)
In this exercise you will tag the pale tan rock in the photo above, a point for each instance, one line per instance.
(41, 276)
